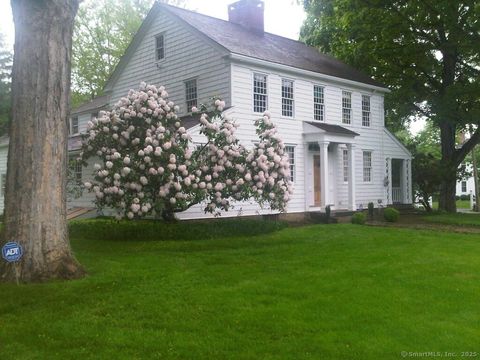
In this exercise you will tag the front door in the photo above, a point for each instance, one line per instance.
(316, 180)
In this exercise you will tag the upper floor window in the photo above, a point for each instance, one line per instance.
(160, 47)
(464, 186)
(318, 103)
(259, 93)
(287, 98)
(73, 125)
(191, 93)
(367, 166)
(365, 110)
(345, 164)
(290, 150)
(346, 107)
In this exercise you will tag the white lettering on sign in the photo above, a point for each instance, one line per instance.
(11, 252)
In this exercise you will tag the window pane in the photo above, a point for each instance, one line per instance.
(259, 93)
(367, 166)
(159, 47)
(287, 98)
(74, 125)
(318, 103)
(290, 150)
(346, 107)
(365, 110)
(191, 93)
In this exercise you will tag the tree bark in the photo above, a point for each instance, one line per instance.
(35, 202)
(447, 200)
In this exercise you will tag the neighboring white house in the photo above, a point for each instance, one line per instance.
(330, 115)
(466, 186)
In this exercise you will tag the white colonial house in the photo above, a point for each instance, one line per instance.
(330, 115)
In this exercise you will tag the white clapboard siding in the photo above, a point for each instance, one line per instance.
(188, 54)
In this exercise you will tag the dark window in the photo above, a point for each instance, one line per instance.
(160, 47)
(74, 125)
(464, 186)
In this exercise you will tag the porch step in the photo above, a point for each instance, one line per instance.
(76, 212)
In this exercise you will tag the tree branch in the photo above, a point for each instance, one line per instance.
(467, 147)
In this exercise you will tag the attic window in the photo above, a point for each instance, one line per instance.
(159, 47)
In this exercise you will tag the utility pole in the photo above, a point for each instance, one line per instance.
(475, 180)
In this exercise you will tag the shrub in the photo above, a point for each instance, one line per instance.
(464, 197)
(327, 213)
(358, 218)
(391, 214)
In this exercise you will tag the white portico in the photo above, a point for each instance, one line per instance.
(329, 155)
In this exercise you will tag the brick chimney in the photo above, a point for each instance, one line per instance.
(248, 13)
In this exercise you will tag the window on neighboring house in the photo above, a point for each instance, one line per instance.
(464, 186)
(367, 166)
(290, 150)
(287, 98)
(345, 165)
(191, 93)
(365, 110)
(259, 93)
(93, 115)
(74, 125)
(160, 47)
(318, 103)
(3, 179)
(346, 107)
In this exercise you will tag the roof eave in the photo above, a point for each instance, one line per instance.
(320, 76)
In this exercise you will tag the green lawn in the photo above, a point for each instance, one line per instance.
(459, 219)
(461, 204)
(317, 292)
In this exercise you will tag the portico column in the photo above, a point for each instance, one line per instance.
(324, 172)
(351, 178)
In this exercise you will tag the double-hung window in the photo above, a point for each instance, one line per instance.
(464, 186)
(365, 110)
(346, 107)
(75, 171)
(74, 125)
(287, 98)
(345, 164)
(318, 103)
(260, 96)
(160, 47)
(290, 150)
(191, 93)
(367, 166)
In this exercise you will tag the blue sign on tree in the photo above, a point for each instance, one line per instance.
(12, 251)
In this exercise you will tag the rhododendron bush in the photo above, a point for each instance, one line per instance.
(146, 163)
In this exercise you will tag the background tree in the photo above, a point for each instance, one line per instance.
(6, 58)
(427, 52)
(35, 201)
(103, 31)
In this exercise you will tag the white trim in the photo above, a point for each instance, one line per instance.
(308, 73)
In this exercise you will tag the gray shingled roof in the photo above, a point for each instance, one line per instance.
(265, 46)
(97, 103)
(336, 129)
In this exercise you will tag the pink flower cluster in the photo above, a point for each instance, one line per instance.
(146, 163)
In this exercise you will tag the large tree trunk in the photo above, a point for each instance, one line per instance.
(35, 205)
(447, 200)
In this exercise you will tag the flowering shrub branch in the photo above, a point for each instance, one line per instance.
(146, 164)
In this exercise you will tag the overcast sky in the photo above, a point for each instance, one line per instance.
(282, 17)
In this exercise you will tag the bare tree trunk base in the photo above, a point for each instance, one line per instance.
(65, 268)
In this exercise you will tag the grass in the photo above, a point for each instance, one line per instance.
(317, 292)
(461, 204)
(458, 219)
